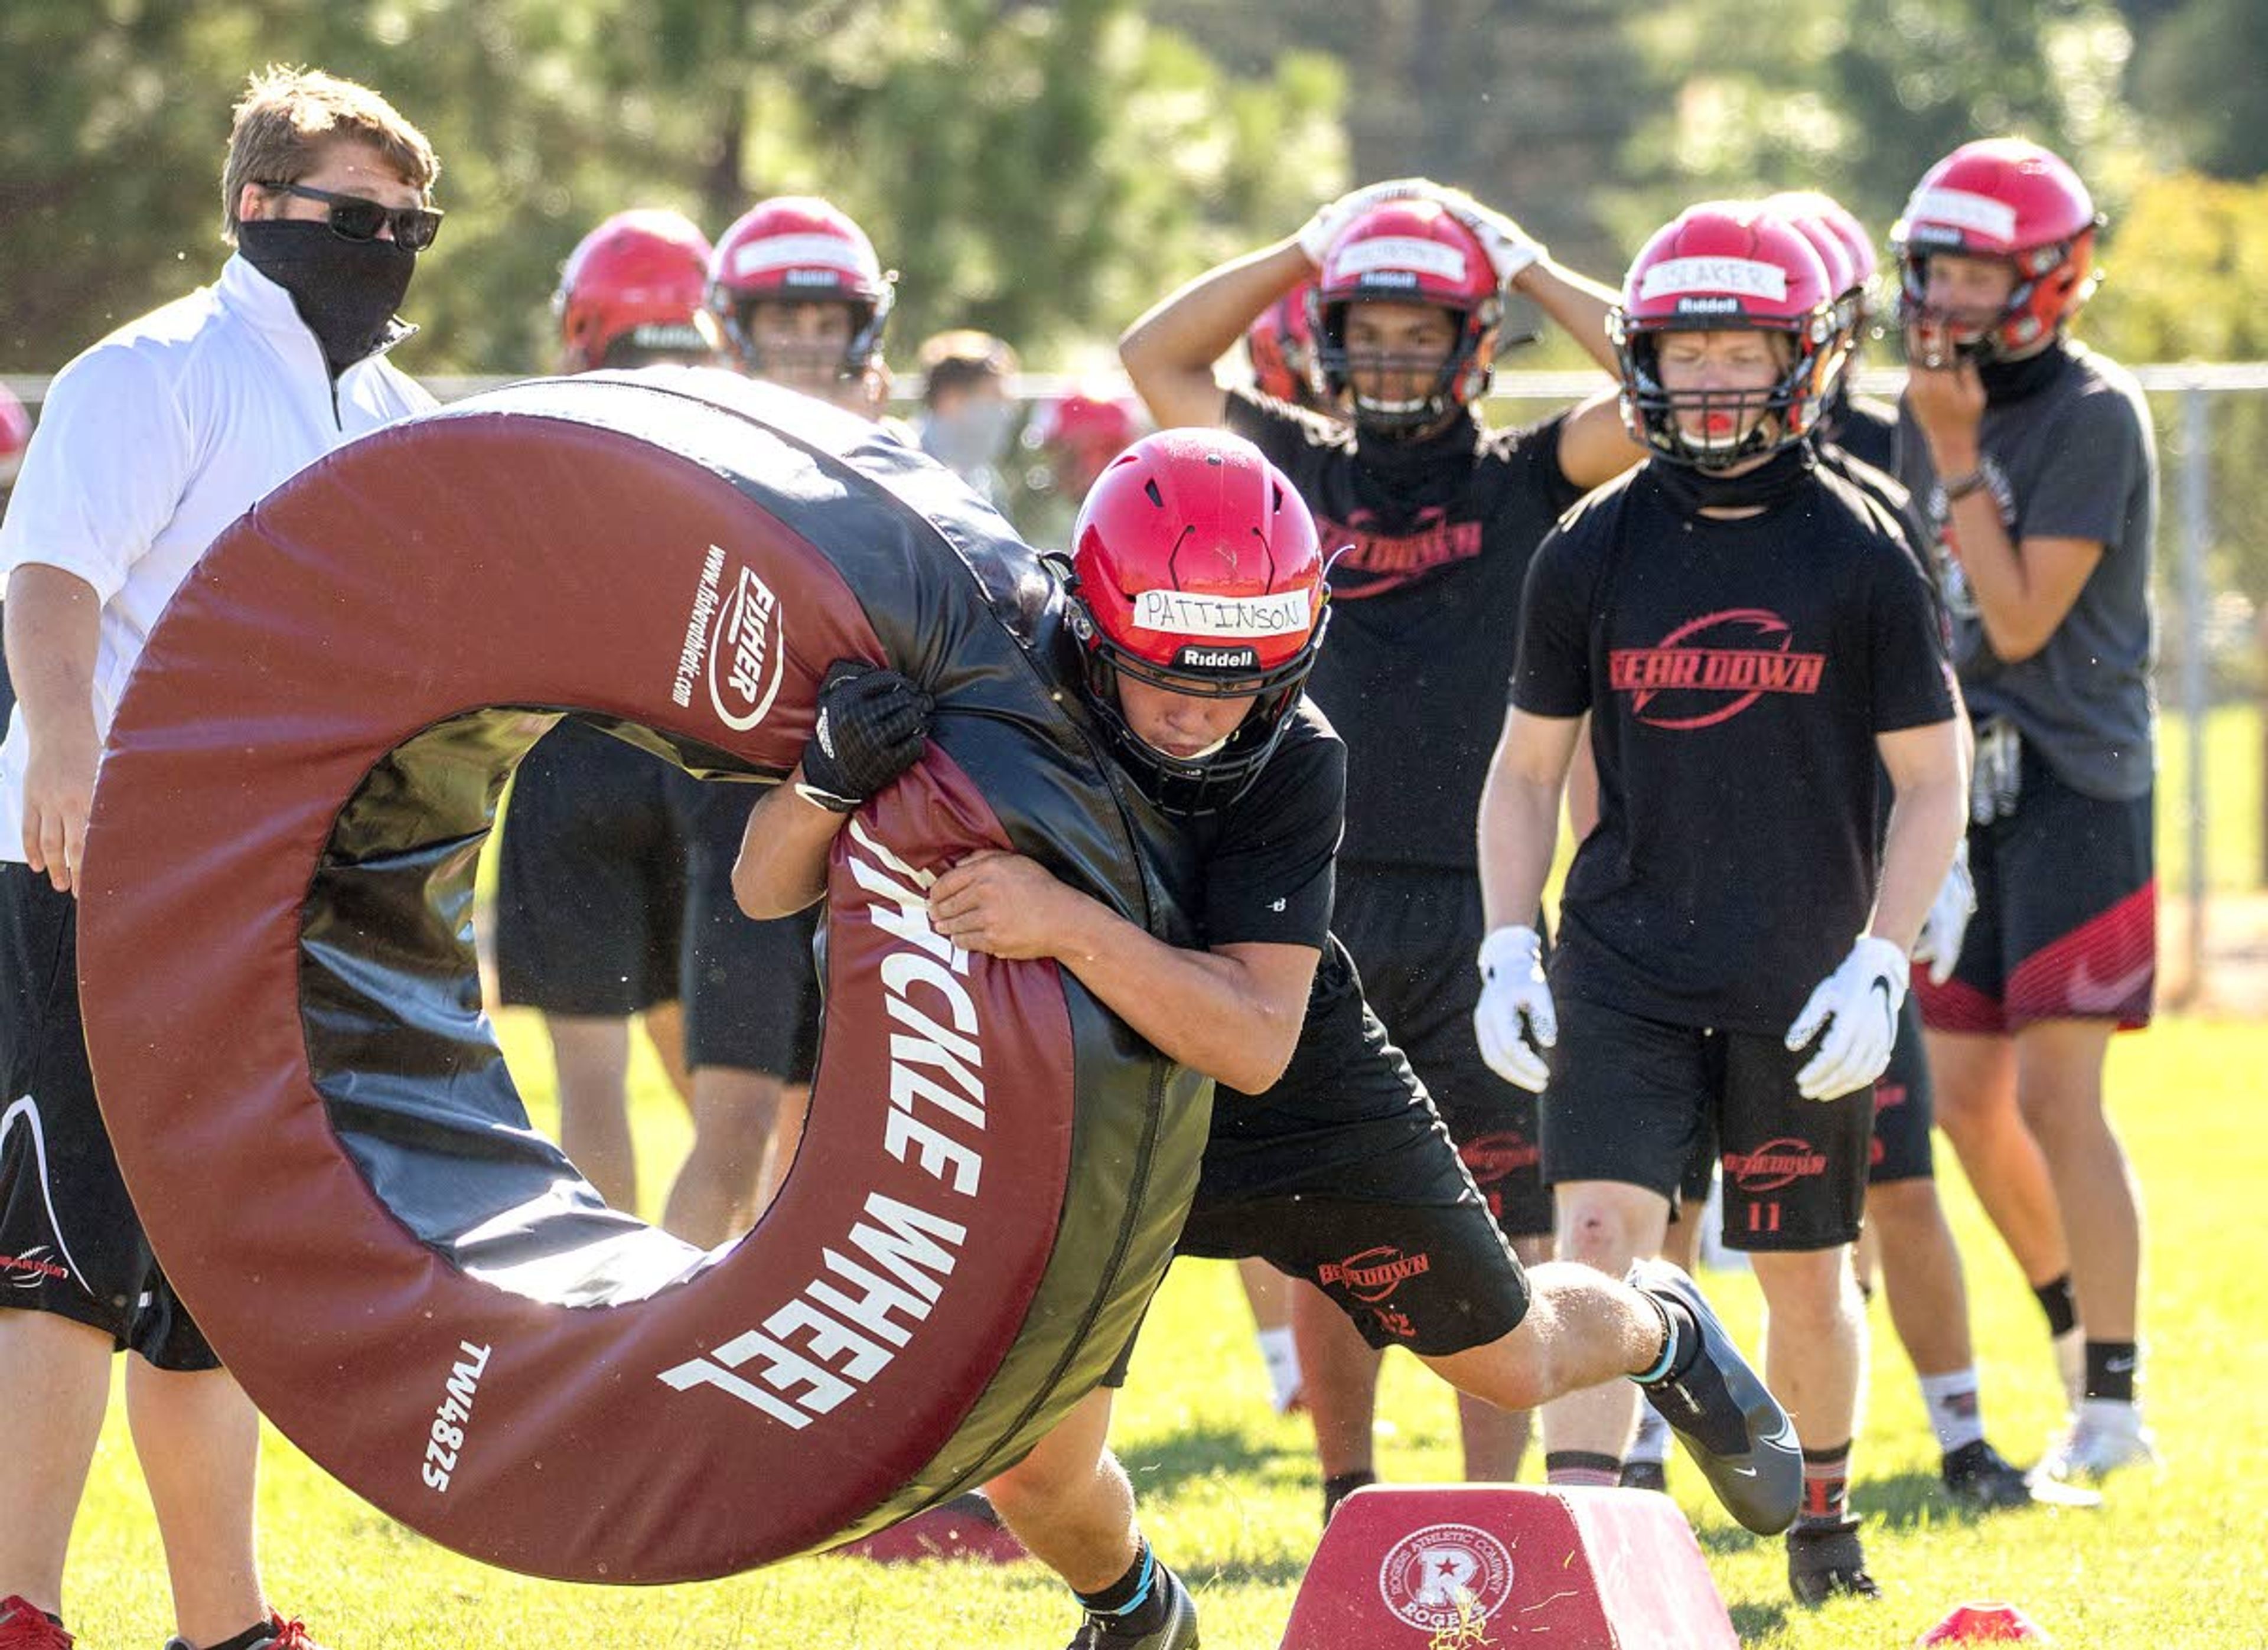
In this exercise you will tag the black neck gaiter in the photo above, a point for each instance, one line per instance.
(1779, 478)
(2007, 380)
(346, 290)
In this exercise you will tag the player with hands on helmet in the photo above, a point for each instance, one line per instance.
(1323, 1145)
(1729, 608)
(1440, 514)
(2033, 458)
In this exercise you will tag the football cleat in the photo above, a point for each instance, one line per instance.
(24, 1627)
(1724, 1415)
(1179, 1632)
(281, 1635)
(1825, 1561)
(1981, 1479)
(2106, 1437)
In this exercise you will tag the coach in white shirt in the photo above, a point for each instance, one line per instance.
(149, 445)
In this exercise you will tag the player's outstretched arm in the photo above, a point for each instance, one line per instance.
(1233, 1014)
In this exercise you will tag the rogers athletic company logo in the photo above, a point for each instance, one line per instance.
(1775, 1164)
(1375, 1273)
(1447, 1578)
(1716, 666)
(734, 641)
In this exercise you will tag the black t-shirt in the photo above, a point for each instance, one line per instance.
(1424, 609)
(1267, 878)
(1737, 673)
(1867, 429)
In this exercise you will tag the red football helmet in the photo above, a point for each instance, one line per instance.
(632, 292)
(796, 249)
(1807, 211)
(2005, 198)
(1724, 266)
(1077, 434)
(1195, 567)
(1281, 342)
(15, 436)
(1408, 252)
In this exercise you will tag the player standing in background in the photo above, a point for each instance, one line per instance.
(1442, 514)
(967, 410)
(591, 871)
(803, 302)
(1748, 637)
(150, 443)
(2034, 460)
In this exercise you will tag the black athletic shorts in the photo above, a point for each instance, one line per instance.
(752, 988)
(70, 1241)
(2066, 920)
(1378, 1211)
(1631, 1098)
(591, 877)
(1904, 1112)
(1415, 931)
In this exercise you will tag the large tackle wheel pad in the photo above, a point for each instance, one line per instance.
(313, 1114)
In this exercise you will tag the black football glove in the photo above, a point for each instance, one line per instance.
(874, 725)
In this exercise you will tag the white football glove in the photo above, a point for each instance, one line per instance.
(1317, 233)
(1515, 1020)
(1511, 249)
(1948, 922)
(1858, 1005)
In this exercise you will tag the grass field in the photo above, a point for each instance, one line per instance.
(1229, 1495)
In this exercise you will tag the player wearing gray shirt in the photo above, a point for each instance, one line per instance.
(2033, 461)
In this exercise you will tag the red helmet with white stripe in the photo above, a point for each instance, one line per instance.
(800, 249)
(1078, 434)
(1412, 251)
(633, 291)
(2002, 198)
(1813, 215)
(1726, 266)
(1195, 567)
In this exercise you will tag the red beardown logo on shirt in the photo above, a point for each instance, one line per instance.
(1774, 1164)
(1713, 667)
(1491, 1157)
(1375, 562)
(1375, 1273)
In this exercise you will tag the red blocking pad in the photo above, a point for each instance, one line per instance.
(1456, 1565)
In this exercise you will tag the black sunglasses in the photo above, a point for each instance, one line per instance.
(354, 219)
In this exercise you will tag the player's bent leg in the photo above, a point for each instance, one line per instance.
(734, 1114)
(591, 1057)
(197, 1437)
(1583, 1329)
(1071, 1504)
(57, 1369)
(1496, 1440)
(1814, 1352)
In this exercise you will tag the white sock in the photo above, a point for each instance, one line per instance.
(1650, 1442)
(2071, 1364)
(1281, 1356)
(1954, 1414)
